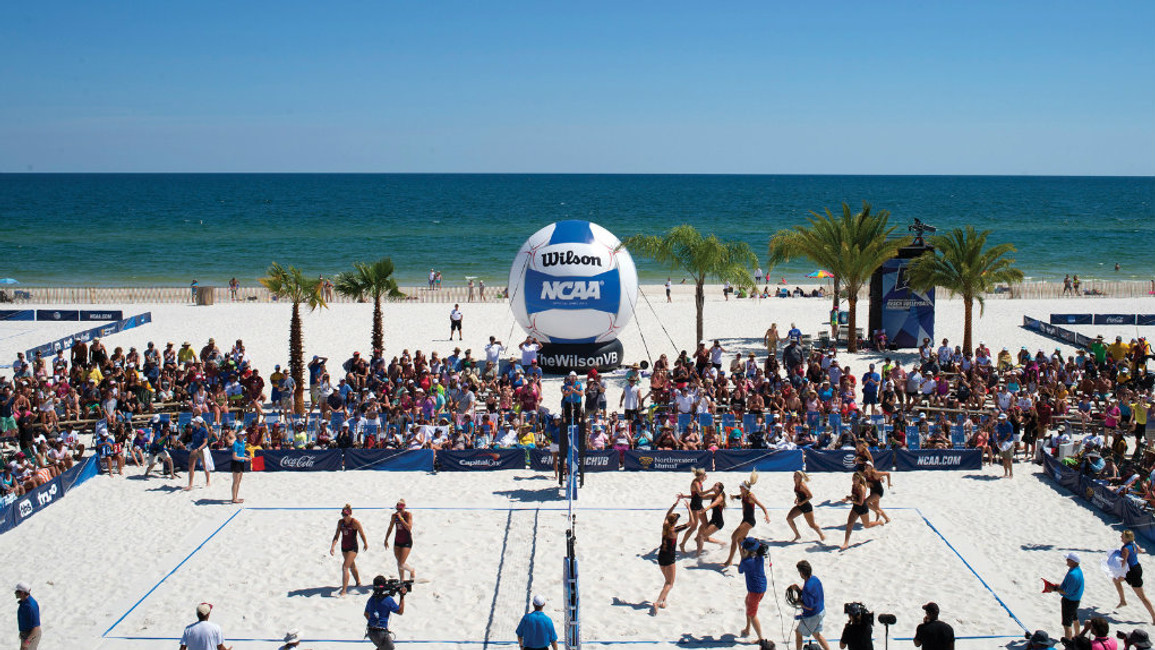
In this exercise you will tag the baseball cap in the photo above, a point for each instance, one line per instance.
(23, 588)
(204, 608)
(931, 608)
(538, 601)
(1073, 556)
(1140, 639)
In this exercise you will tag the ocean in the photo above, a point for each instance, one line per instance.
(167, 229)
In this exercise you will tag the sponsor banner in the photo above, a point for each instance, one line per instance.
(395, 460)
(469, 460)
(1102, 497)
(842, 460)
(36, 500)
(66, 343)
(906, 460)
(57, 314)
(222, 460)
(907, 316)
(79, 473)
(602, 460)
(1057, 333)
(1114, 319)
(667, 461)
(300, 460)
(17, 314)
(561, 358)
(1145, 319)
(101, 315)
(1072, 319)
(763, 460)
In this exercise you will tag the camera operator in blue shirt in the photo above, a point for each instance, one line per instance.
(377, 612)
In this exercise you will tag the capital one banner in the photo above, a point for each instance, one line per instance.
(667, 460)
(468, 460)
(293, 460)
(907, 315)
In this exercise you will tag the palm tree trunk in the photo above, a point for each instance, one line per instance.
(700, 304)
(378, 330)
(837, 285)
(852, 321)
(296, 359)
(968, 315)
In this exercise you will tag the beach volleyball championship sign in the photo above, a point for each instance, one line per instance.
(574, 290)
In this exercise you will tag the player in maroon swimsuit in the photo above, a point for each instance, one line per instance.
(348, 529)
(403, 542)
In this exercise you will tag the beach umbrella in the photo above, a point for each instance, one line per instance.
(8, 281)
(820, 273)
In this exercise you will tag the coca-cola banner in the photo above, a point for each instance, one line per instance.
(396, 460)
(302, 460)
(481, 459)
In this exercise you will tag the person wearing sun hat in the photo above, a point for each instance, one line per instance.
(203, 635)
(292, 640)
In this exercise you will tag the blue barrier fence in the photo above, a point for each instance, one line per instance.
(51, 348)
(1102, 497)
(14, 513)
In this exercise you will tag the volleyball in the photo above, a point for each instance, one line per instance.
(571, 284)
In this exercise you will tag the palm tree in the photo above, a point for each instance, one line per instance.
(370, 281)
(292, 285)
(963, 265)
(683, 247)
(852, 246)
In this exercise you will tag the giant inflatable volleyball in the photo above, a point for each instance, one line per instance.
(571, 287)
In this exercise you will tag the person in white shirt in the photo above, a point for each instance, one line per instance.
(203, 635)
(455, 318)
(493, 351)
(529, 349)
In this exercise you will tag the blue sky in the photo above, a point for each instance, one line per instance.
(619, 87)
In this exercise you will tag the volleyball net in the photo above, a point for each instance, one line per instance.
(570, 563)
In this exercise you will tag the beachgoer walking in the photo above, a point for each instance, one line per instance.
(481, 290)
(753, 566)
(802, 506)
(377, 611)
(813, 607)
(432, 277)
(234, 287)
(1067, 288)
(403, 542)
(1134, 577)
(27, 617)
(193, 291)
(535, 630)
(933, 634)
(748, 499)
(469, 298)
(348, 529)
(667, 554)
(455, 318)
(771, 340)
(1071, 590)
(203, 635)
(669, 284)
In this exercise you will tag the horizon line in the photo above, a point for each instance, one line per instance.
(516, 173)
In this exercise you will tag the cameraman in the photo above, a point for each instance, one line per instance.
(859, 628)
(377, 612)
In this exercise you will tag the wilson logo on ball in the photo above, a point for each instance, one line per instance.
(569, 258)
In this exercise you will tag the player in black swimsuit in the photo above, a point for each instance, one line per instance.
(716, 520)
(403, 543)
(859, 510)
(874, 499)
(748, 522)
(697, 509)
(347, 530)
(802, 506)
(667, 555)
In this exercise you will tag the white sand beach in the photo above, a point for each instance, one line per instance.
(122, 562)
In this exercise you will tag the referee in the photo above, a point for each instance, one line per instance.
(535, 631)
